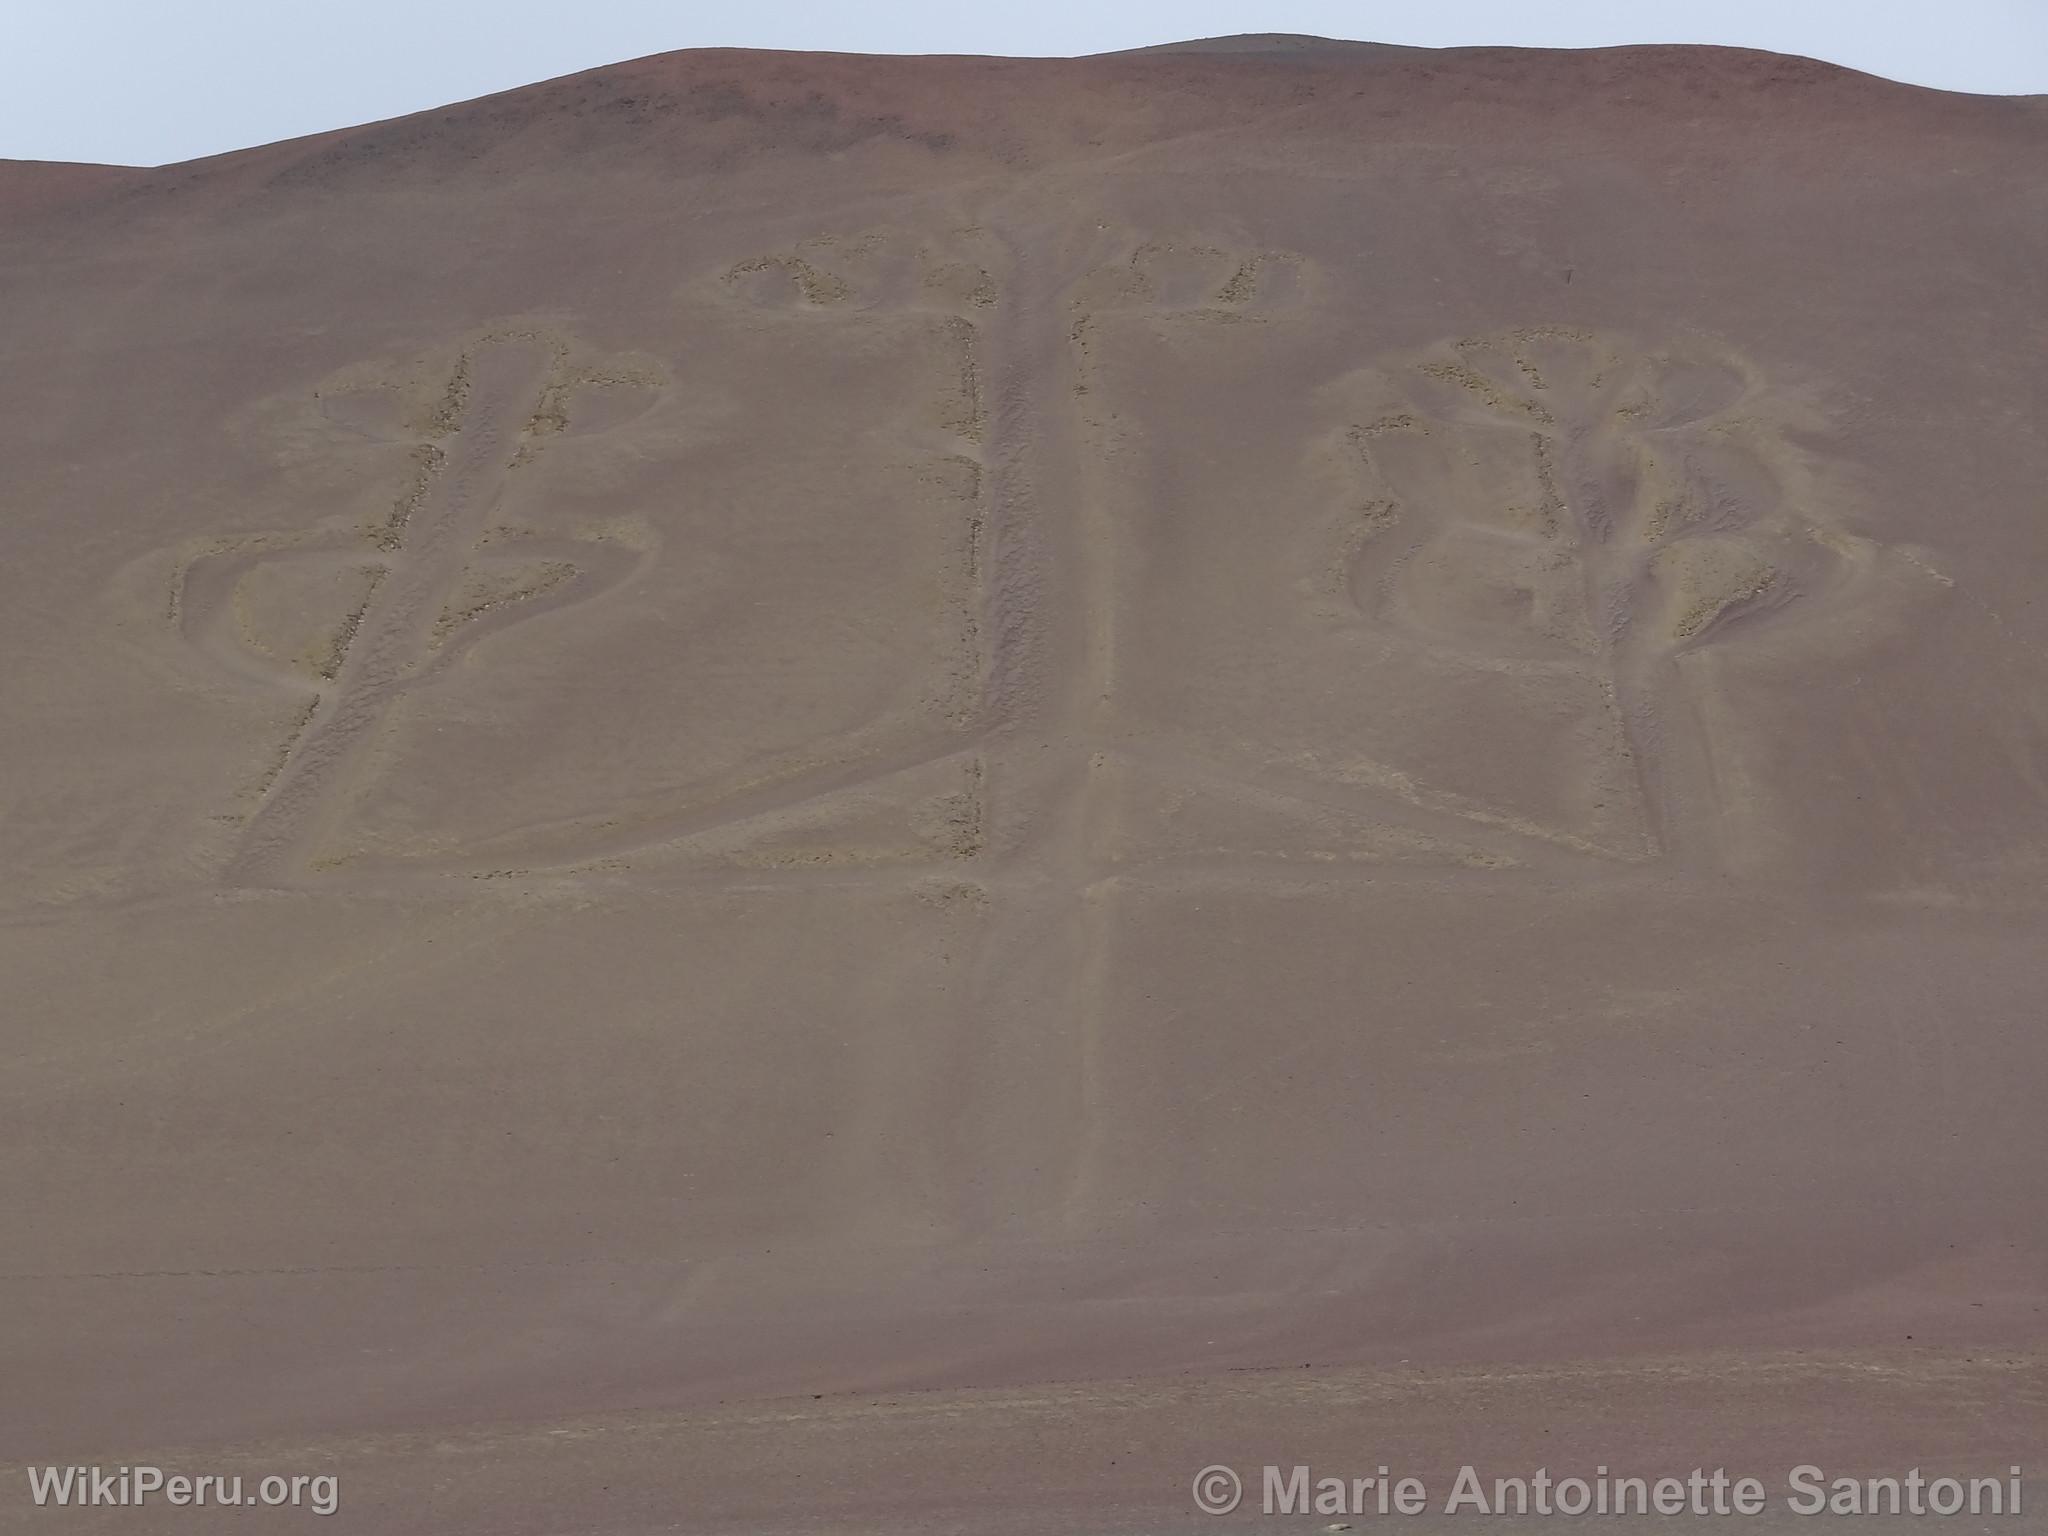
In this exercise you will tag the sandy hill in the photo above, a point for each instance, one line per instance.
(764, 787)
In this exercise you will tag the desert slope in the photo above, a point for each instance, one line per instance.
(740, 764)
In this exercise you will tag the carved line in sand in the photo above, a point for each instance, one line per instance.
(1547, 501)
(1177, 283)
(350, 620)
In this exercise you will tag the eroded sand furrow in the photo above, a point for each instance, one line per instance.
(499, 387)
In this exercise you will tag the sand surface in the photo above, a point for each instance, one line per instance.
(766, 791)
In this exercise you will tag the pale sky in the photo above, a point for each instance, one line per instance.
(146, 82)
